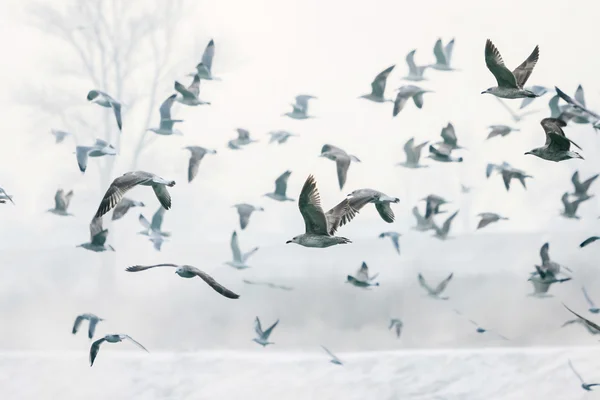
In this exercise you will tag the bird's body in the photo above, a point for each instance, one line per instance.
(243, 139)
(281, 188)
(362, 278)
(59, 136)
(245, 211)
(300, 107)
(104, 100)
(437, 291)
(280, 137)
(99, 149)
(263, 336)
(442, 153)
(239, 258)
(189, 96)
(487, 218)
(407, 92)
(442, 233)
(204, 68)
(413, 154)
(397, 325)
(557, 146)
(508, 173)
(500, 130)
(342, 161)
(123, 206)
(93, 321)
(543, 280)
(415, 73)
(165, 127)
(113, 338)
(570, 207)
(61, 202)
(395, 237)
(98, 236)
(197, 153)
(378, 87)
(154, 229)
(423, 223)
(581, 188)
(449, 139)
(443, 56)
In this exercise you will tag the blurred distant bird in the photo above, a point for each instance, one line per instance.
(423, 224)
(508, 173)
(579, 103)
(97, 237)
(415, 73)
(442, 153)
(189, 96)
(593, 309)
(124, 183)
(300, 108)
(59, 136)
(188, 271)
(585, 386)
(114, 338)
(166, 122)
(570, 207)
(465, 189)
(281, 188)
(239, 258)
(342, 161)
(263, 336)
(104, 100)
(99, 149)
(500, 130)
(243, 139)
(61, 202)
(153, 230)
(589, 240)
(581, 189)
(378, 86)
(435, 293)
(517, 117)
(321, 226)
(93, 321)
(397, 325)
(589, 323)
(408, 92)
(442, 233)
(510, 84)
(204, 68)
(443, 56)
(543, 280)
(334, 359)
(395, 236)
(197, 154)
(433, 204)
(280, 136)
(578, 321)
(413, 154)
(539, 92)
(157, 240)
(245, 210)
(449, 138)
(362, 278)
(361, 197)
(547, 263)
(268, 284)
(557, 146)
(487, 218)
(123, 206)
(478, 327)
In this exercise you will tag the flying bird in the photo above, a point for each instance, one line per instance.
(104, 100)
(93, 321)
(59, 136)
(99, 149)
(98, 236)
(508, 173)
(449, 139)
(397, 325)
(586, 321)
(166, 121)
(204, 68)
(243, 139)
(435, 292)
(154, 229)
(123, 206)
(378, 86)
(342, 161)
(281, 188)
(547, 263)
(362, 278)
(539, 92)
(517, 117)
(114, 338)
(570, 207)
(589, 240)
(487, 218)
(510, 84)
(245, 211)
(188, 271)
(500, 130)
(413, 154)
(239, 259)
(442, 233)
(61, 202)
(578, 321)
(197, 153)
(334, 359)
(557, 146)
(433, 203)
(189, 96)
(395, 237)
(542, 281)
(300, 107)
(415, 73)
(593, 309)
(443, 56)
(577, 104)
(423, 223)
(442, 153)
(280, 136)
(263, 336)
(122, 184)
(409, 92)
(585, 386)
(361, 197)
(479, 328)
(581, 188)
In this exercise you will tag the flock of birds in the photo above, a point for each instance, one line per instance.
(320, 226)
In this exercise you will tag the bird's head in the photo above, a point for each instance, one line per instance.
(328, 154)
(459, 159)
(171, 184)
(488, 90)
(534, 152)
(293, 240)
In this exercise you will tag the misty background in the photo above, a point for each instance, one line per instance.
(267, 52)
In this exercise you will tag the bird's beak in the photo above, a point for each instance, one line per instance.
(289, 241)
(484, 92)
(527, 153)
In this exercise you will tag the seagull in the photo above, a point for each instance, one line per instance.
(557, 144)
(166, 122)
(334, 359)
(590, 330)
(442, 233)
(378, 86)
(93, 319)
(589, 240)
(189, 95)
(300, 108)
(395, 236)
(114, 338)
(97, 237)
(99, 149)
(413, 154)
(362, 278)
(397, 324)
(570, 208)
(123, 206)
(487, 218)
(157, 240)
(320, 226)
(268, 284)
(581, 189)
(539, 92)
(479, 328)
(204, 68)
(153, 228)
(543, 280)
(585, 386)
(435, 293)
(423, 224)
(586, 321)
(122, 184)
(465, 189)
(263, 337)
(576, 102)
(280, 188)
(187, 271)
(510, 84)
(280, 136)
(415, 73)
(593, 309)
(508, 173)
(239, 259)
(443, 56)
(197, 154)
(449, 138)
(342, 161)
(500, 130)
(433, 203)
(5, 196)
(243, 139)
(361, 197)
(516, 117)
(59, 135)
(442, 153)
(104, 100)
(61, 202)
(245, 210)
(548, 264)
(407, 92)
